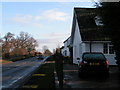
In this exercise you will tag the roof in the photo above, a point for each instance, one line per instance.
(88, 29)
(66, 39)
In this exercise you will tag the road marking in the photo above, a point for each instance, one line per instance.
(70, 70)
(30, 86)
(49, 62)
(39, 75)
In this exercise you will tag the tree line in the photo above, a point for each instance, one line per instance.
(20, 45)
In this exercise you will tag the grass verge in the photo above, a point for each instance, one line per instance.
(43, 78)
(5, 61)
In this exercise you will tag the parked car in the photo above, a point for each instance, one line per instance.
(40, 57)
(94, 62)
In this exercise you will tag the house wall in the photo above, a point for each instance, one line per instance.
(95, 47)
(98, 47)
(65, 51)
(76, 44)
(81, 47)
(62, 51)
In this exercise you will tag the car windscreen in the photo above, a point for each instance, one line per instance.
(94, 57)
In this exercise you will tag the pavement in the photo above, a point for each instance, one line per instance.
(66, 68)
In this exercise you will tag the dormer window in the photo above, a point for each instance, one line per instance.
(98, 21)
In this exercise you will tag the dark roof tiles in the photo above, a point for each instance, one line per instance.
(88, 29)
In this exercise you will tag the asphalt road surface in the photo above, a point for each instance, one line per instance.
(14, 74)
(72, 80)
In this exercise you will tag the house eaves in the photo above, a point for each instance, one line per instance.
(73, 29)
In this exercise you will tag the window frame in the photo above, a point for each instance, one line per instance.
(105, 48)
(109, 47)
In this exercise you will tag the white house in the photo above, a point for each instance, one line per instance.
(65, 50)
(86, 36)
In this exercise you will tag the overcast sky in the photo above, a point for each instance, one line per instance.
(48, 22)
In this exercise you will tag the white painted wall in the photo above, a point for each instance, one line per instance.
(62, 51)
(95, 47)
(66, 49)
(76, 44)
(85, 47)
(98, 47)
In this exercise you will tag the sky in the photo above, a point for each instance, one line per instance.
(48, 22)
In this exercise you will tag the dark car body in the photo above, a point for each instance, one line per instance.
(94, 62)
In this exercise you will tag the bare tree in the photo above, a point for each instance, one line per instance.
(7, 44)
(18, 45)
(58, 45)
(26, 41)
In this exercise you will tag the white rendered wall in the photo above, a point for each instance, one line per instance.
(98, 47)
(95, 47)
(62, 51)
(76, 44)
(65, 49)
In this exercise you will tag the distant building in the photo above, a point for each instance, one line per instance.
(87, 36)
(47, 53)
(65, 50)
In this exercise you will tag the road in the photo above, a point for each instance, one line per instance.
(14, 74)
(72, 80)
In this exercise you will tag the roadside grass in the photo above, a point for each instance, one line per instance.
(13, 59)
(43, 78)
(5, 61)
(17, 58)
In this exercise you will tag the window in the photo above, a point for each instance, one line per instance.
(108, 48)
(105, 48)
(93, 56)
(98, 21)
(65, 52)
(111, 49)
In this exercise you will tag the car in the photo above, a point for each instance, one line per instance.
(40, 57)
(93, 62)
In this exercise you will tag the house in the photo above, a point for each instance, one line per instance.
(87, 35)
(65, 50)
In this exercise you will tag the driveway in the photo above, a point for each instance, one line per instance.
(72, 80)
